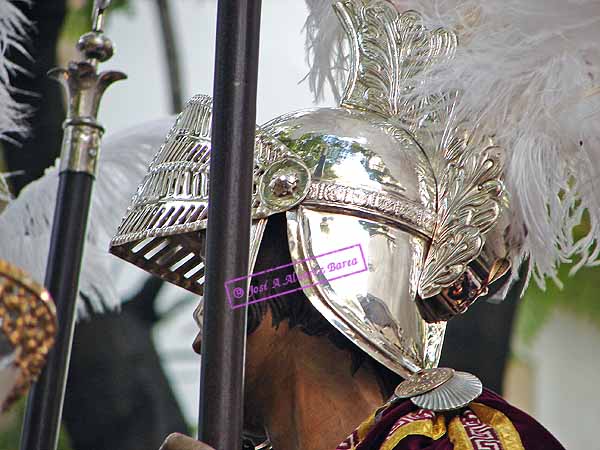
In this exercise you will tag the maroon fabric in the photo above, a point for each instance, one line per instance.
(533, 435)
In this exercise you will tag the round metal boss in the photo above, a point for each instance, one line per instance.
(423, 381)
(284, 184)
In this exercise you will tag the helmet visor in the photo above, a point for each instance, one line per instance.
(362, 276)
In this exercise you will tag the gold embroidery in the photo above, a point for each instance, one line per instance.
(439, 427)
(436, 429)
(458, 435)
(365, 427)
(506, 431)
(424, 427)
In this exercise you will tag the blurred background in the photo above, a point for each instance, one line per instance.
(134, 377)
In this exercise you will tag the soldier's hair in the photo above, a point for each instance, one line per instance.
(297, 309)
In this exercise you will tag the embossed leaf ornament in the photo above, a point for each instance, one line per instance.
(388, 51)
(468, 205)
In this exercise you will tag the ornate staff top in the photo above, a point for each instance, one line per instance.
(85, 87)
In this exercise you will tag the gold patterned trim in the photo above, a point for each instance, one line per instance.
(458, 435)
(364, 428)
(426, 427)
(507, 433)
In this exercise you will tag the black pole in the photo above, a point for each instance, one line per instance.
(44, 407)
(79, 155)
(228, 234)
(171, 54)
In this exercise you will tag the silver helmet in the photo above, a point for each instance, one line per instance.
(383, 170)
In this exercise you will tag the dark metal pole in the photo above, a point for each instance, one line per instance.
(44, 408)
(228, 234)
(81, 144)
(171, 54)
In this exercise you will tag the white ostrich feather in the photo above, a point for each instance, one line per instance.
(26, 222)
(529, 72)
(13, 31)
(325, 51)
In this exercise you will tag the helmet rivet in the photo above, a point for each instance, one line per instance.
(284, 185)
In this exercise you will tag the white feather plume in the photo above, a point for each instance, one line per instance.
(13, 31)
(325, 51)
(26, 223)
(529, 70)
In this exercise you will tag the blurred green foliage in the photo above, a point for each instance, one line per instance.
(79, 20)
(579, 296)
